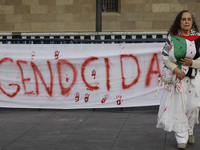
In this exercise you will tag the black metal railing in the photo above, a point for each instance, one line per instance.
(78, 41)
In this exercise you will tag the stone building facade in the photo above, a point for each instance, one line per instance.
(80, 15)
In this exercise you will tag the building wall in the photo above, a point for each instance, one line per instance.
(80, 15)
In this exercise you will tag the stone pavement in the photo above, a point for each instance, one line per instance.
(86, 129)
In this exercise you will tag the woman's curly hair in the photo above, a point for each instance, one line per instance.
(175, 28)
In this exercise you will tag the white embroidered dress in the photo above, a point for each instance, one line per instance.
(179, 111)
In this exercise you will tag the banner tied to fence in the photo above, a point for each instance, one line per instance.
(64, 76)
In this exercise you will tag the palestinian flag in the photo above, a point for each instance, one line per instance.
(184, 46)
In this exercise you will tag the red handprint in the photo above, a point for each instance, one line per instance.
(119, 99)
(105, 98)
(77, 97)
(86, 97)
(57, 54)
(32, 54)
(94, 73)
(118, 102)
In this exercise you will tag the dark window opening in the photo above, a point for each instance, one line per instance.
(109, 5)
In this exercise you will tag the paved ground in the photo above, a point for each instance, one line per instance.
(99, 129)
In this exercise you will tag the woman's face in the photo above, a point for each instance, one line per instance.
(186, 21)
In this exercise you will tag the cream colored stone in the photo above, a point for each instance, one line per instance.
(76, 8)
(79, 3)
(188, 1)
(152, 16)
(106, 17)
(153, 1)
(194, 14)
(20, 27)
(47, 2)
(135, 16)
(7, 27)
(39, 26)
(198, 18)
(30, 18)
(193, 7)
(164, 25)
(30, 2)
(178, 7)
(48, 18)
(22, 9)
(198, 24)
(73, 26)
(2, 2)
(6, 9)
(128, 26)
(64, 17)
(13, 2)
(2, 18)
(69, 9)
(143, 25)
(136, 8)
(128, 8)
(88, 26)
(84, 17)
(161, 7)
(135, 1)
(40, 9)
(64, 2)
(170, 1)
(169, 16)
(112, 26)
(87, 8)
(56, 26)
(14, 18)
(58, 9)
(143, 8)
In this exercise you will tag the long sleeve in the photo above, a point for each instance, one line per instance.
(170, 65)
(165, 54)
(196, 64)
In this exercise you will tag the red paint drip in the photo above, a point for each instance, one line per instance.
(37, 72)
(151, 71)
(11, 84)
(19, 62)
(87, 61)
(124, 86)
(65, 91)
(107, 73)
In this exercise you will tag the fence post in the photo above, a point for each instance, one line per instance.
(98, 17)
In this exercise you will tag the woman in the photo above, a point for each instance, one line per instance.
(179, 111)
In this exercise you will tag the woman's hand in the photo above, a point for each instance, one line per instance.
(179, 73)
(186, 61)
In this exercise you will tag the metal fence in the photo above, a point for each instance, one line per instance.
(78, 41)
(83, 38)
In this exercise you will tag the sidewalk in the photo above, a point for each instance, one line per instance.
(86, 129)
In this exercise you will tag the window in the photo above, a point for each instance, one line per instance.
(109, 5)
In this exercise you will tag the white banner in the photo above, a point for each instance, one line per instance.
(69, 76)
